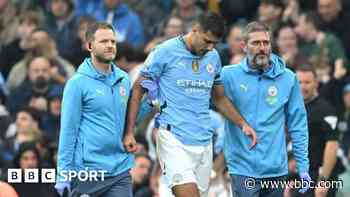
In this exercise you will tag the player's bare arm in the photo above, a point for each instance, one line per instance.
(133, 108)
(226, 108)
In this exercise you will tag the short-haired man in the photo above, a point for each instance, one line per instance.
(187, 71)
(268, 96)
(93, 115)
(322, 121)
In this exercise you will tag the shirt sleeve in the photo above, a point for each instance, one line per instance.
(224, 78)
(154, 64)
(329, 124)
(297, 127)
(217, 79)
(144, 110)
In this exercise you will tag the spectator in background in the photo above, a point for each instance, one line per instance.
(51, 119)
(291, 11)
(323, 133)
(79, 50)
(130, 60)
(270, 13)
(52, 150)
(187, 11)
(125, 21)
(15, 50)
(333, 92)
(333, 18)
(37, 5)
(26, 128)
(233, 53)
(28, 157)
(323, 49)
(41, 44)
(238, 10)
(5, 120)
(174, 27)
(27, 118)
(8, 22)
(34, 90)
(4, 164)
(61, 24)
(287, 47)
(124, 56)
(140, 175)
(147, 9)
(308, 5)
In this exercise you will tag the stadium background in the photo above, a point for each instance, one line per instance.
(42, 43)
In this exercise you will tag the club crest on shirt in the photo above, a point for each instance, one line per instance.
(123, 94)
(272, 91)
(195, 66)
(122, 91)
(210, 68)
(272, 95)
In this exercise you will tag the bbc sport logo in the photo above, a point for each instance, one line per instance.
(48, 175)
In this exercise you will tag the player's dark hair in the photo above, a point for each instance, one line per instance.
(212, 22)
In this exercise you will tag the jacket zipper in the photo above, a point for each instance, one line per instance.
(256, 111)
(116, 122)
(114, 106)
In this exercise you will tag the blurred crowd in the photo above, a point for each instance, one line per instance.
(42, 42)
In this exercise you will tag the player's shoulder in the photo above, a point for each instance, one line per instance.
(289, 72)
(213, 58)
(76, 82)
(213, 54)
(77, 78)
(230, 67)
(169, 44)
(324, 106)
(288, 76)
(119, 72)
(229, 72)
